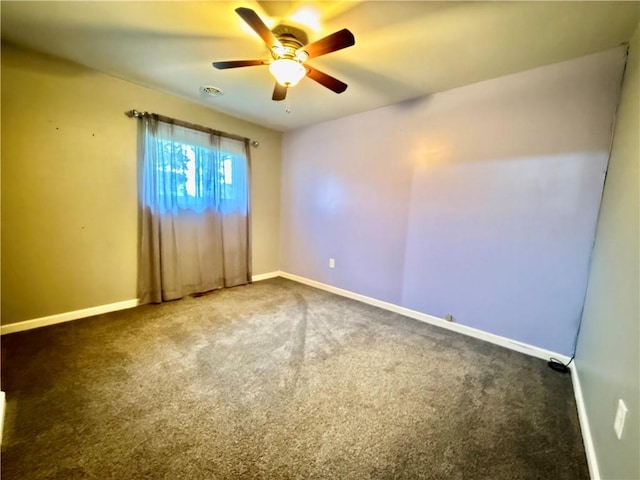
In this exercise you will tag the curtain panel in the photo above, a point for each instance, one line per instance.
(193, 211)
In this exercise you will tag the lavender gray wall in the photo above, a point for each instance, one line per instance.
(480, 201)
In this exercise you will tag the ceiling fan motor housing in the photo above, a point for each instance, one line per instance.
(291, 40)
(296, 33)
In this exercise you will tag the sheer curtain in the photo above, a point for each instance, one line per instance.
(194, 211)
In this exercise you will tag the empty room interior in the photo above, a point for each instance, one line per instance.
(320, 240)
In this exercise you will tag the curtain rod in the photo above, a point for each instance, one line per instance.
(193, 126)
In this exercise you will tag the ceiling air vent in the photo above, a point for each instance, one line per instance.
(210, 91)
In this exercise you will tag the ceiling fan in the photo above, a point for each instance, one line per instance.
(289, 52)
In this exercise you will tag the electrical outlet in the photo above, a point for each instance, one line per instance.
(332, 263)
(621, 414)
(448, 317)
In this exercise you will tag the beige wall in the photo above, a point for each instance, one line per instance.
(69, 211)
(608, 353)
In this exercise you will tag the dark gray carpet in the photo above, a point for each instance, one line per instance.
(277, 380)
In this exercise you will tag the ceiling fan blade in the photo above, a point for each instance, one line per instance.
(254, 21)
(326, 80)
(336, 41)
(238, 63)
(279, 92)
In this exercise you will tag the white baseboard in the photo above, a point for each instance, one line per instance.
(265, 276)
(66, 316)
(439, 322)
(88, 312)
(587, 439)
(423, 317)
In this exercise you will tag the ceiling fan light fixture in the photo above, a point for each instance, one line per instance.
(301, 55)
(287, 72)
(278, 50)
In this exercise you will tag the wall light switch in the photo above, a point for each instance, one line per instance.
(621, 413)
(332, 263)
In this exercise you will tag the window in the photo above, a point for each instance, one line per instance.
(195, 177)
(194, 220)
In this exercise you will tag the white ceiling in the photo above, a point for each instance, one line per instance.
(403, 50)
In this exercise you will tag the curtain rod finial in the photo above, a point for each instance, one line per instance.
(134, 114)
(255, 143)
